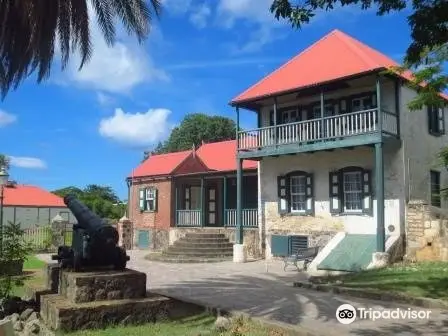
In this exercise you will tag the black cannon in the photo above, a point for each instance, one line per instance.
(94, 242)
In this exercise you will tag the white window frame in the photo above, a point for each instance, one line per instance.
(360, 191)
(301, 179)
(150, 198)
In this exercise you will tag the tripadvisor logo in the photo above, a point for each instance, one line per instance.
(347, 314)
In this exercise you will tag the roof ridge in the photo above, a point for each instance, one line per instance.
(334, 31)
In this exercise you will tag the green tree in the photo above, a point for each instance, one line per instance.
(30, 30)
(100, 199)
(4, 161)
(196, 128)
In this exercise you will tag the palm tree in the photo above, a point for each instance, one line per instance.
(29, 30)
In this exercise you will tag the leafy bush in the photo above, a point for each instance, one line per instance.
(13, 253)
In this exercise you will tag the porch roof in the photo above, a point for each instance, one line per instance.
(215, 156)
(321, 63)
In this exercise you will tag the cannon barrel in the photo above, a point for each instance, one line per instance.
(91, 222)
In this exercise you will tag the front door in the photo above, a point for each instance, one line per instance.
(211, 207)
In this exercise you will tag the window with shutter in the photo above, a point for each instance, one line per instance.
(351, 191)
(436, 120)
(150, 199)
(435, 188)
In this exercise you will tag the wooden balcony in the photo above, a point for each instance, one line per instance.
(356, 128)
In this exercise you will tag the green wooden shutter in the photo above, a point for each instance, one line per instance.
(309, 194)
(367, 201)
(142, 203)
(335, 193)
(282, 185)
(156, 198)
(441, 120)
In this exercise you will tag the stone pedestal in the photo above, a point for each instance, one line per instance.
(100, 286)
(58, 228)
(239, 253)
(87, 300)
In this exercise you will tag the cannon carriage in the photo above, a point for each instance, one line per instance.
(94, 243)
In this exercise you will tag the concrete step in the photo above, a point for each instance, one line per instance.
(186, 244)
(204, 235)
(186, 259)
(194, 253)
(197, 240)
(199, 250)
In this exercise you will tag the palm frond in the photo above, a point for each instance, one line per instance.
(29, 28)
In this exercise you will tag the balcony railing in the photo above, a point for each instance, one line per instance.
(189, 218)
(250, 217)
(328, 128)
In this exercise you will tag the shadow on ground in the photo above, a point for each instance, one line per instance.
(274, 298)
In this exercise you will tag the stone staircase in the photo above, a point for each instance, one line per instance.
(197, 248)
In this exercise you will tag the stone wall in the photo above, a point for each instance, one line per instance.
(251, 237)
(426, 232)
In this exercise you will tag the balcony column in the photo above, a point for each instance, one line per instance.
(224, 199)
(202, 202)
(275, 121)
(176, 202)
(322, 107)
(378, 105)
(237, 110)
(239, 251)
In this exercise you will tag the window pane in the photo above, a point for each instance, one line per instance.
(298, 193)
(352, 185)
(435, 189)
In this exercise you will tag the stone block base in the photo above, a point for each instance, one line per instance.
(62, 315)
(105, 285)
(239, 253)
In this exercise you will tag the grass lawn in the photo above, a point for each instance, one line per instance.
(33, 269)
(194, 326)
(423, 279)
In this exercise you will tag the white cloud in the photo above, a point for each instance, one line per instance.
(223, 63)
(104, 99)
(177, 7)
(200, 15)
(6, 118)
(136, 129)
(115, 69)
(27, 162)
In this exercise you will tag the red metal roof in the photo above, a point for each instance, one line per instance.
(161, 164)
(336, 55)
(27, 195)
(216, 156)
(221, 156)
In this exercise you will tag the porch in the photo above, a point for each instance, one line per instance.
(211, 202)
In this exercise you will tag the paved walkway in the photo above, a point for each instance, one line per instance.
(265, 290)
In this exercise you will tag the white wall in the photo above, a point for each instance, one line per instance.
(320, 164)
(421, 150)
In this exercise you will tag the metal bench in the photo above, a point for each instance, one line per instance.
(303, 254)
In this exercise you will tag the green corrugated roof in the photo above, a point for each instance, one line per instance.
(353, 253)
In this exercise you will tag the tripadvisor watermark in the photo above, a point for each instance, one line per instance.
(347, 314)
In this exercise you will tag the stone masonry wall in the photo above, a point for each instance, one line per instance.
(426, 232)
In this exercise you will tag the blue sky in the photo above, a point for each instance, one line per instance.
(92, 126)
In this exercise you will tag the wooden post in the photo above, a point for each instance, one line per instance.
(224, 199)
(202, 202)
(322, 107)
(275, 121)
(176, 205)
(237, 110)
(379, 182)
(239, 209)
(378, 105)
